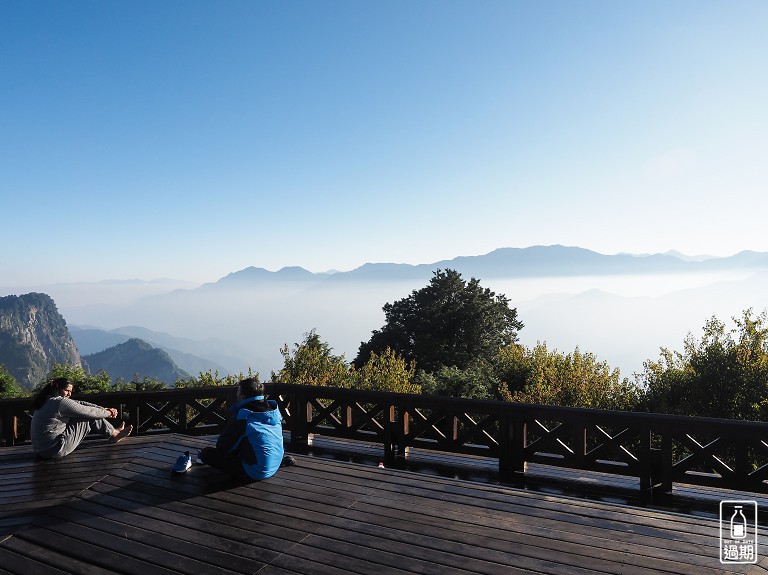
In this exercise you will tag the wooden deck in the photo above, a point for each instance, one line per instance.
(109, 509)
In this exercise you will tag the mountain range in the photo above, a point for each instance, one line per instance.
(535, 261)
(620, 307)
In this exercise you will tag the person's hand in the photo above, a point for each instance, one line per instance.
(112, 412)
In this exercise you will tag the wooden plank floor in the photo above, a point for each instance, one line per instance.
(117, 509)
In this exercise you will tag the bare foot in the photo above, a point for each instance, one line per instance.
(121, 433)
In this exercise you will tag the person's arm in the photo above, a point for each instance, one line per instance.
(81, 402)
(231, 435)
(113, 412)
(82, 409)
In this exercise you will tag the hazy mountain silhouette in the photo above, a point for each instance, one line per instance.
(620, 307)
(535, 261)
(93, 340)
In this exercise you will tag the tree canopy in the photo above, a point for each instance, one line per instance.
(312, 363)
(83, 381)
(450, 322)
(723, 374)
(8, 386)
(577, 379)
(386, 372)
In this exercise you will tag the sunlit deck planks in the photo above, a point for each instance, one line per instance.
(116, 509)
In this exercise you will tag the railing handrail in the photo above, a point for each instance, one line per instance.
(104, 398)
(557, 411)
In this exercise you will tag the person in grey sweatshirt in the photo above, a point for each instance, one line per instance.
(59, 423)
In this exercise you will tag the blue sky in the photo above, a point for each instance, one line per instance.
(192, 139)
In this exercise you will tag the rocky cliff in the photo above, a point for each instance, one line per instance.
(33, 336)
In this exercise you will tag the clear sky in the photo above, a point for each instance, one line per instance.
(190, 139)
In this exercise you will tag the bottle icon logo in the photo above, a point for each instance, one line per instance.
(738, 523)
(738, 532)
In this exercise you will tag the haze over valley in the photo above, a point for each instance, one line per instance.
(622, 308)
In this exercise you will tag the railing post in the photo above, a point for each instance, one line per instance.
(512, 464)
(135, 416)
(403, 431)
(741, 466)
(300, 418)
(505, 447)
(581, 444)
(390, 437)
(183, 415)
(648, 467)
(9, 425)
(662, 485)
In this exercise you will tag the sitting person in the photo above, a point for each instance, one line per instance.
(251, 446)
(59, 423)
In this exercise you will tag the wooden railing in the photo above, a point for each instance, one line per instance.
(192, 411)
(657, 449)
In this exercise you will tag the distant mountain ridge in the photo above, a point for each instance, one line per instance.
(291, 273)
(534, 261)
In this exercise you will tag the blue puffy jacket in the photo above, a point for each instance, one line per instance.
(255, 433)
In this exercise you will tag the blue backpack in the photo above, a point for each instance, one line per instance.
(264, 434)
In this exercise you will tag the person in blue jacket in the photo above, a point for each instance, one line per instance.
(251, 446)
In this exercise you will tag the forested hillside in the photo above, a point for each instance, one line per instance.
(135, 358)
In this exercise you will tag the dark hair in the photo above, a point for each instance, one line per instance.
(251, 387)
(49, 390)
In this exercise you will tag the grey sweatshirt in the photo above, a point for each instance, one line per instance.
(50, 421)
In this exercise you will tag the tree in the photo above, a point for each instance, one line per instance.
(475, 382)
(724, 374)
(213, 379)
(83, 382)
(386, 372)
(8, 386)
(448, 323)
(139, 383)
(575, 379)
(312, 363)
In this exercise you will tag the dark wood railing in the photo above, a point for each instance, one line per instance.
(657, 449)
(192, 411)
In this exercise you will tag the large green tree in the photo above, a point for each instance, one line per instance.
(450, 322)
(723, 374)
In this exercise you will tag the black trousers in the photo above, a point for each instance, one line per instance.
(228, 463)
